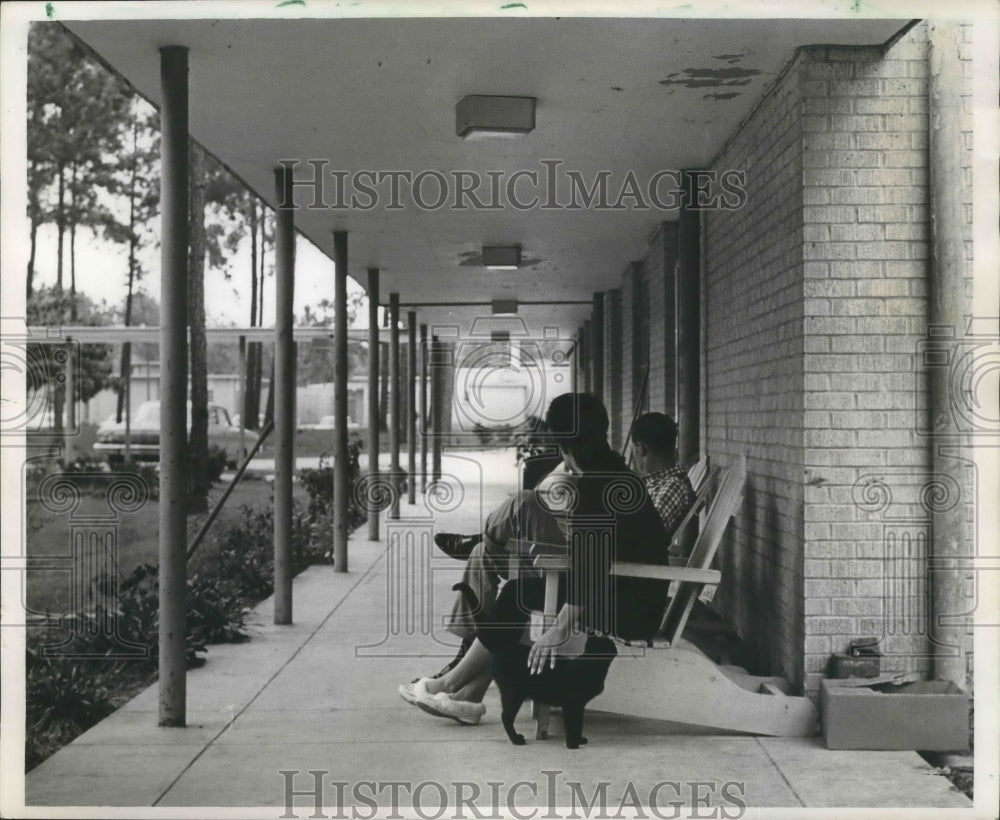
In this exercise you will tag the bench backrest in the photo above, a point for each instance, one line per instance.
(723, 506)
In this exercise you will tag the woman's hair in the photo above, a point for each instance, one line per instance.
(657, 431)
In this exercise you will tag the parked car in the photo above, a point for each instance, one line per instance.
(327, 423)
(144, 435)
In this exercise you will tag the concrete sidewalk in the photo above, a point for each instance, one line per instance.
(320, 696)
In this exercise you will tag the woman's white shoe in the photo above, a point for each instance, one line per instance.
(443, 705)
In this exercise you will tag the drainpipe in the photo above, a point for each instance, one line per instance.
(373, 365)
(948, 588)
(394, 386)
(284, 393)
(173, 383)
(411, 405)
(340, 473)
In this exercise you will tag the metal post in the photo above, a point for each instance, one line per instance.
(597, 344)
(950, 536)
(437, 413)
(241, 400)
(394, 386)
(173, 383)
(373, 366)
(127, 376)
(411, 406)
(70, 425)
(284, 393)
(70, 384)
(340, 474)
(688, 325)
(423, 408)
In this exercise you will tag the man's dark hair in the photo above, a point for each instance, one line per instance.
(576, 419)
(657, 431)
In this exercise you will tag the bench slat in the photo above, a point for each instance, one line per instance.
(625, 569)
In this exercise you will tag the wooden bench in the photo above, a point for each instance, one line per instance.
(674, 681)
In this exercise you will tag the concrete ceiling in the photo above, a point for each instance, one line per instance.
(615, 95)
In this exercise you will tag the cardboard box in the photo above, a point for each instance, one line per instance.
(876, 714)
(846, 666)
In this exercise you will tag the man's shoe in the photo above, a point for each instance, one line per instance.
(455, 545)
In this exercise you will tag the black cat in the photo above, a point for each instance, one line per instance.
(571, 684)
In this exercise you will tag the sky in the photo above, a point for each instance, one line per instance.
(102, 274)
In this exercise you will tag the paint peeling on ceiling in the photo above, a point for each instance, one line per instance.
(710, 77)
(731, 58)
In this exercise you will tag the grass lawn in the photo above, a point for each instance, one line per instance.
(50, 590)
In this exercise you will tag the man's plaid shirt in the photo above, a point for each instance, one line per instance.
(672, 495)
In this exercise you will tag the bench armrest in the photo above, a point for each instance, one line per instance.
(659, 572)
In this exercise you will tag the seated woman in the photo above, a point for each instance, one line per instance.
(609, 517)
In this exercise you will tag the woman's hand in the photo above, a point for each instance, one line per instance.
(544, 650)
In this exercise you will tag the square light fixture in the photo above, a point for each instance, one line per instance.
(505, 307)
(501, 257)
(483, 116)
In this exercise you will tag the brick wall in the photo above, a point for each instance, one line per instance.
(865, 179)
(815, 302)
(754, 376)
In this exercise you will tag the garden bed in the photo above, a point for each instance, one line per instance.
(84, 661)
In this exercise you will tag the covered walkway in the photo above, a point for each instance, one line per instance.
(320, 695)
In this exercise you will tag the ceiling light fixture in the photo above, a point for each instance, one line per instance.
(483, 116)
(501, 257)
(505, 307)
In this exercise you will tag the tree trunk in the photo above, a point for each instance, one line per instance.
(34, 216)
(31, 256)
(269, 409)
(259, 362)
(133, 241)
(251, 393)
(72, 247)
(198, 440)
(60, 227)
(383, 389)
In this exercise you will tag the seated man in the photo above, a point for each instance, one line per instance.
(608, 497)
(654, 438)
(521, 517)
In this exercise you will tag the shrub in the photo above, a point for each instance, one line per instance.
(63, 692)
(63, 698)
(318, 484)
(67, 695)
